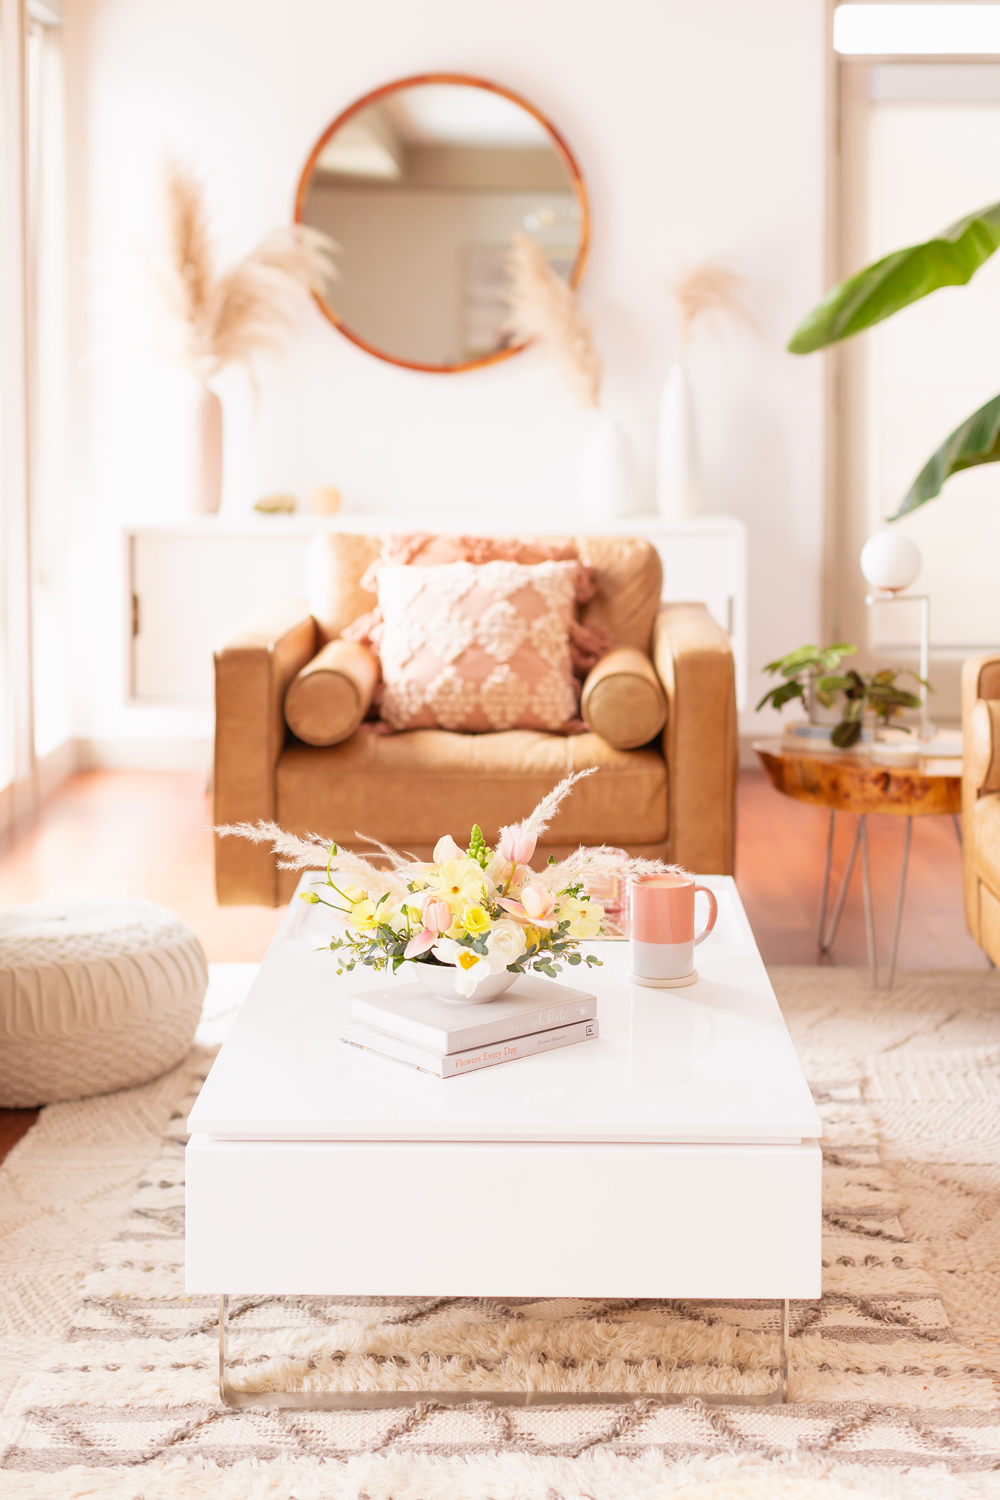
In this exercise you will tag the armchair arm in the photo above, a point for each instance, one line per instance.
(253, 669)
(980, 766)
(694, 662)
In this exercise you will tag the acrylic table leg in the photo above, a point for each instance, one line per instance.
(238, 1400)
(958, 828)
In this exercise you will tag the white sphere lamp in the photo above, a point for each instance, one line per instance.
(890, 561)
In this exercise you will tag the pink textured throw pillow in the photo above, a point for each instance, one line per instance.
(477, 647)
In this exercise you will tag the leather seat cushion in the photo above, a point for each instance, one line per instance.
(408, 789)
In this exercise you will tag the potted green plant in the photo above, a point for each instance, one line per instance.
(810, 674)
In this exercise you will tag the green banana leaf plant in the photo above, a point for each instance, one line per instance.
(881, 289)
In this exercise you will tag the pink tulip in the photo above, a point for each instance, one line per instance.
(420, 943)
(437, 914)
(538, 901)
(516, 845)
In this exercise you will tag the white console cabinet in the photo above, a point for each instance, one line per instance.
(187, 584)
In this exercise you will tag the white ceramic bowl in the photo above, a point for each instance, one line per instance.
(440, 980)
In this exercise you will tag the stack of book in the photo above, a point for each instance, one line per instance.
(447, 1038)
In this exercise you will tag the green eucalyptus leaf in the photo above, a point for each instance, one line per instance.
(879, 290)
(975, 442)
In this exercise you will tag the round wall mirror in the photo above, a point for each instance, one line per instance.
(423, 185)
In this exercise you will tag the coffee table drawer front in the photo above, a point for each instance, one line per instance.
(588, 1220)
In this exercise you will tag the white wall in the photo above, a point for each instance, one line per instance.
(699, 128)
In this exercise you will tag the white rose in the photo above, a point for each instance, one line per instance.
(505, 944)
(446, 849)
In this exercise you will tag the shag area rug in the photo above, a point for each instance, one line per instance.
(108, 1373)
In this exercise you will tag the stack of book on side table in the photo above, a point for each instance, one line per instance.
(447, 1037)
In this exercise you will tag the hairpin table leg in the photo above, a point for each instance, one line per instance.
(826, 938)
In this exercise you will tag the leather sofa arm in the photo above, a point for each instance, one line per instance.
(981, 740)
(253, 669)
(694, 661)
(980, 695)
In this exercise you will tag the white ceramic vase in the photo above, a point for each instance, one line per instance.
(678, 492)
(208, 453)
(606, 487)
(440, 980)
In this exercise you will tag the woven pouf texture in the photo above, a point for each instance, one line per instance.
(95, 996)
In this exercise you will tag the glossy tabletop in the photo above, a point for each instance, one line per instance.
(712, 1062)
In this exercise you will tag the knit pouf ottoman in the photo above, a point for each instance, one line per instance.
(95, 996)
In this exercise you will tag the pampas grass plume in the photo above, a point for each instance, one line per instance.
(233, 316)
(711, 290)
(544, 310)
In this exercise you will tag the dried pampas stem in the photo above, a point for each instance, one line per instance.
(709, 289)
(602, 861)
(311, 853)
(536, 822)
(544, 310)
(249, 309)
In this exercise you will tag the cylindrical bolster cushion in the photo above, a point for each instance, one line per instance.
(622, 699)
(328, 699)
(982, 745)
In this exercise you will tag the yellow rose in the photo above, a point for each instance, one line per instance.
(475, 920)
(353, 894)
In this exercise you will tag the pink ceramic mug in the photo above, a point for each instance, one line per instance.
(663, 940)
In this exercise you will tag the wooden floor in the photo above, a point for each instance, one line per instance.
(147, 833)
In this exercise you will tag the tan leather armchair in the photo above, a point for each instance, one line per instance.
(673, 799)
(981, 800)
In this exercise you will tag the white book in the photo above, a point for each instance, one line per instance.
(452, 1064)
(531, 1004)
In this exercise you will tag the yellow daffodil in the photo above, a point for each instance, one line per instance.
(457, 881)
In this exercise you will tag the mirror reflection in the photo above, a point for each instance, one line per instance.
(423, 187)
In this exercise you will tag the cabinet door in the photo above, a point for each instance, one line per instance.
(189, 592)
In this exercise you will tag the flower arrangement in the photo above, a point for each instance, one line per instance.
(477, 911)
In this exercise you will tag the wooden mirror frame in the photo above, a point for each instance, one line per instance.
(562, 149)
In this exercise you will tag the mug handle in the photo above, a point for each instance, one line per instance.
(713, 912)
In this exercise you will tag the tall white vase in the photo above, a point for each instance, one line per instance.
(606, 487)
(678, 492)
(208, 453)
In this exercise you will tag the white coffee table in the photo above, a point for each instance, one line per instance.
(675, 1156)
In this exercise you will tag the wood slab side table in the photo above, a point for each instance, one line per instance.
(854, 784)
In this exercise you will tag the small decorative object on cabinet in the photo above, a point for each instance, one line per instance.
(325, 500)
(276, 505)
(233, 316)
(709, 291)
(472, 919)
